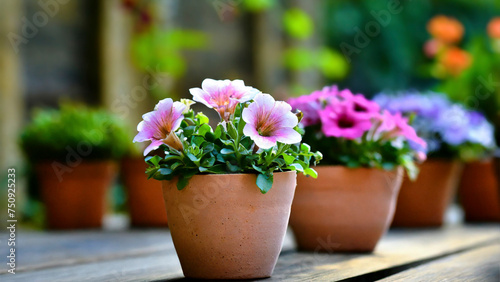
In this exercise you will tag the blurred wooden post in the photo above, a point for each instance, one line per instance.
(11, 96)
(268, 46)
(123, 89)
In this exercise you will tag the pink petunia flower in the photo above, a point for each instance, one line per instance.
(160, 123)
(404, 129)
(397, 125)
(311, 104)
(223, 95)
(364, 107)
(339, 120)
(268, 122)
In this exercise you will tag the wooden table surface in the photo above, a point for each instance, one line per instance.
(453, 253)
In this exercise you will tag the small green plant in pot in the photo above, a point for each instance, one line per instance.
(72, 151)
(351, 204)
(227, 190)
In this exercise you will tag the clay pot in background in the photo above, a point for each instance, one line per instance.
(223, 227)
(144, 197)
(423, 202)
(344, 210)
(479, 192)
(76, 199)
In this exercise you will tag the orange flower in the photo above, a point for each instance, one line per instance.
(446, 29)
(455, 60)
(494, 28)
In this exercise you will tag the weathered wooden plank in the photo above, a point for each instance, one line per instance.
(481, 264)
(53, 249)
(397, 249)
(37, 250)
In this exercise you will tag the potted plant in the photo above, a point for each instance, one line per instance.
(478, 189)
(214, 180)
(452, 133)
(72, 151)
(144, 196)
(351, 204)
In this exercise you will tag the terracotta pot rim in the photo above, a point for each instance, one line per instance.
(236, 174)
(355, 168)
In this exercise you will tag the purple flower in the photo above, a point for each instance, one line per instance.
(428, 105)
(453, 125)
(340, 120)
(223, 95)
(160, 123)
(268, 122)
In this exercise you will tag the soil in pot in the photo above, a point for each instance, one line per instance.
(144, 197)
(223, 227)
(479, 193)
(76, 198)
(423, 202)
(344, 210)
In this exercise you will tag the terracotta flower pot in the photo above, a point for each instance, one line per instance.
(344, 210)
(479, 192)
(76, 199)
(223, 227)
(145, 200)
(423, 202)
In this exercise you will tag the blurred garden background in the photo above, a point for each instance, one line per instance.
(122, 56)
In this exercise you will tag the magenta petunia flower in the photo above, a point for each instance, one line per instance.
(339, 120)
(311, 104)
(223, 95)
(364, 107)
(268, 122)
(158, 124)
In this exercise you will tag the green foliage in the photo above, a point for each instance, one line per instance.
(160, 51)
(298, 24)
(365, 152)
(226, 150)
(89, 133)
(258, 5)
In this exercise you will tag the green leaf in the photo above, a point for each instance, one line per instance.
(192, 157)
(226, 151)
(197, 140)
(288, 159)
(208, 162)
(231, 130)
(311, 172)
(155, 161)
(232, 168)
(217, 169)
(175, 165)
(305, 148)
(208, 147)
(295, 166)
(202, 118)
(182, 182)
(264, 182)
(218, 131)
(165, 171)
(204, 128)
